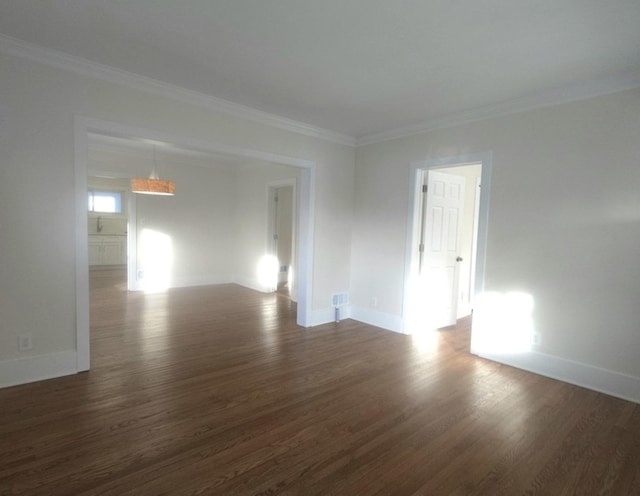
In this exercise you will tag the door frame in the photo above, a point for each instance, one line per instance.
(418, 171)
(83, 126)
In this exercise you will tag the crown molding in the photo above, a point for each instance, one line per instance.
(579, 91)
(19, 48)
(555, 96)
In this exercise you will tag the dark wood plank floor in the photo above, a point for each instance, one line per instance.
(215, 390)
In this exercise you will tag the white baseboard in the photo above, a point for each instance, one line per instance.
(328, 315)
(209, 280)
(37, 368)
(251, 283)
(43, 367)
(187, 282)
(605, 381)
(384, 320)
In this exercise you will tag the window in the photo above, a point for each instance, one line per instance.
(105, 202)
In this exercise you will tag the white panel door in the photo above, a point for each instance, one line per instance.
(440, 247)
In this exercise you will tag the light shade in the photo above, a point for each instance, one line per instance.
(151, 186)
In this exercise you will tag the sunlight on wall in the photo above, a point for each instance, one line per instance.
(267, 272)
(502, 323)
(156, 260)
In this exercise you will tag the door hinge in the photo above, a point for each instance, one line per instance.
(424, 188)
(421, 247)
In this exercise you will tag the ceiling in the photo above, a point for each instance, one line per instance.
(362, 68)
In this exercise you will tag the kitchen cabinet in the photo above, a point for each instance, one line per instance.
(108, 249)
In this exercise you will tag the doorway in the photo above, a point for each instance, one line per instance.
(441, 248)
(446, 240)
(281, 235)
(84, 127)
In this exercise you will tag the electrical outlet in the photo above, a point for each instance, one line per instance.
(374, 302)
(25, 341)
(535, 338)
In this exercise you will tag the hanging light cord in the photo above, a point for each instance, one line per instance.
(154, 172)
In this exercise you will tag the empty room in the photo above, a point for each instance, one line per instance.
(319, 248)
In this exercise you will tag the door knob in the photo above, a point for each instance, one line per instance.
(458, 259)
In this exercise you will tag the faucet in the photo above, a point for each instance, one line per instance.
(99, 225)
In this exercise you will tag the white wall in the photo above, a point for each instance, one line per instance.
(216, 223)
(198, 220)
(37, 260)
(564, 224)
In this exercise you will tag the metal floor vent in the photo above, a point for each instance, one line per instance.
(339, 299)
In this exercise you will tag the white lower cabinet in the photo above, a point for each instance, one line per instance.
(107, 250)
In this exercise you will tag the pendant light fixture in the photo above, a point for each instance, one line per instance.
(153, 185)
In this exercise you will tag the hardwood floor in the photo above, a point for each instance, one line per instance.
(215, 390)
